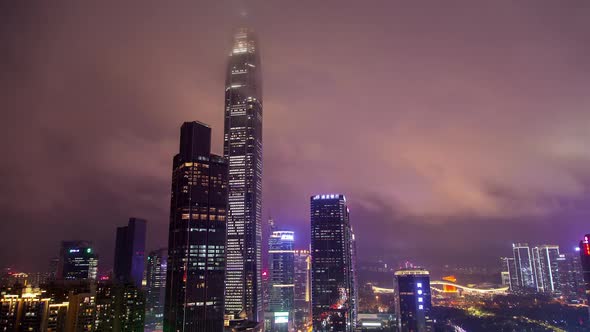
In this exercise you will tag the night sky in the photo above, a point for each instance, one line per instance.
(453, 128)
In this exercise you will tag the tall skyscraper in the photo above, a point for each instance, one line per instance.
(243, 150)
(282, 282)
(413, 300)
(196, 243)
(585, 262)
(77, 261)
(525, 272)
(332, 257)
(302, 290)
(130, 252)
(571, 281)
(155, 289)
(509, 267)
(546, 269)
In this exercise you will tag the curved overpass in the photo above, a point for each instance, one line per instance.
(501, 290)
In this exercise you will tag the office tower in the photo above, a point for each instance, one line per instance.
(525, 274)
(571, 281)
(585, 264)
(412, 300)
(546, 269)
(196, 243)
(77, 261)
(24, 312)
(302, 296)
(130, 252)
(243, 150)
(120, 306)
(281, 270)
(155, 289)
(332, 273)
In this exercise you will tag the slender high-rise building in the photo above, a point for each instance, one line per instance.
(525, 272)
(545, 260)
(571, 281)
(302, 289)
(413, 300)
(130, 252)
(509, 267)
(585, 262)
(196, 242)
(243, 150)
(333, 297)
(282, 273)
(155, 289)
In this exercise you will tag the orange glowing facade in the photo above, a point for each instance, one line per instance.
(450, 288)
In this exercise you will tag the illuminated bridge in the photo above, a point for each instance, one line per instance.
(435, 283)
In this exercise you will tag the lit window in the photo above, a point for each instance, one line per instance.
(419, 292)
(420, 299)
(419, 285)
(420, 307)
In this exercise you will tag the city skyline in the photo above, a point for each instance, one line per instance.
(134, 122)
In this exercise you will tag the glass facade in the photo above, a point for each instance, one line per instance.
(545, 260)
(196, 243)
(413, 300)
(282, 282)
(302, 295)
(155, 289)
(77, 261)
(525, 273)
(332, 259)
(243, 150)
(130, 252)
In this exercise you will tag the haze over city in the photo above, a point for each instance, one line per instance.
(454, 128)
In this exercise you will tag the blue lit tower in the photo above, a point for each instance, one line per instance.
(130, 252)
(412, 300)
(282, 279)
(243, 150)
(332, 271)
(196, 241)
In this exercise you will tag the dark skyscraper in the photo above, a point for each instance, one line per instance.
(412, 300)
(585, 262)
(155, 289)
(243, 150)
(130, 252)
(332, 272)
(196, 244)
(77, 261)
(571, 281)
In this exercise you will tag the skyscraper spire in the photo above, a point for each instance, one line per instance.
(243, 150)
